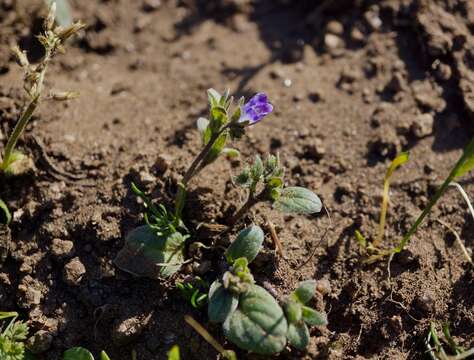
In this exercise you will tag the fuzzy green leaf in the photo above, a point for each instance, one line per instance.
(294, 311)
(256, 170)
(77, 353)
(214, 97)
(305, 291)
(5, 215)
(231, 153)
(298, 200)
(147, 254)
(298, 335)
(221, 304)
(313, 317)
(218, 118)
(258, 325)
(247, 245)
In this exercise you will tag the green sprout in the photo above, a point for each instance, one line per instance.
(462, 166)
(436, 350)
(6, 217)
(299, 315)
(53, 39)
(12, 337)
(401, 159)
(264, 181)
(174, 353)
(194, 292)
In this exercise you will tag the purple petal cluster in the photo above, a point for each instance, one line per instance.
(255, 109)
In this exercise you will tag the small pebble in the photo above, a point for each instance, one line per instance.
(73, 272)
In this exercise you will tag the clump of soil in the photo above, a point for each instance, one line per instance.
(352, 82)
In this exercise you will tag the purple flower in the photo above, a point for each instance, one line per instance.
(255, 109)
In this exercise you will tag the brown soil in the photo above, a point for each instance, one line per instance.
(399, 75)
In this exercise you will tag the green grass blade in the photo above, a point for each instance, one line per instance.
(7, 217)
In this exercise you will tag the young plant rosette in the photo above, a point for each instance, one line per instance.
(251, 317)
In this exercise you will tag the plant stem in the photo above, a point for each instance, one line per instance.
(383, 214)
(251, 202)
(191, 172)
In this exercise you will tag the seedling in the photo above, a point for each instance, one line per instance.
(5, 215)
(436, 350)
(401, 159)
(156, 249)
(299, 315)
(174, 354)
(79, 353)
(195, 292)
(463, 166)
(53, 39)
(264, 181)
(12, 337)
(251, 317)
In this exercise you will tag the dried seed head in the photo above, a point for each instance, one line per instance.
(21, 56)
(49, 21)
(64, 34)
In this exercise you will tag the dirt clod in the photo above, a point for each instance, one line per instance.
(73, 272)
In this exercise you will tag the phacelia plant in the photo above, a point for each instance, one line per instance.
(156, 249)
(251, 317)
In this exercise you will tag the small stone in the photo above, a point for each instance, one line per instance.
(422, 125)
(357, 35)
(332, 41)
(151, 5)
(287, 83)
(29, 293)
(163, 162)
(425, 302)
(73, 272)
(335, 27)
(62, 248)
(443, 72)
(40, 342)
(323, 286)
(125, 331)
(373, 19)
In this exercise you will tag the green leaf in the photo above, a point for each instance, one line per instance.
(174, 354)
(466, 163)
(214, 97)
(313, 317)
(298, 200)
(294, 311)
(256, 171)
(218, 118)
(305, 291)
(104, 356)
(258, 324)
(63, 12)
(298, 335)
(77, 353)
(216, 149)
(221, 304)
(247, 245)
(5, 215)
(275, 182)
(149, 255)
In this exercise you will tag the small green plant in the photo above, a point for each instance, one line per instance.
(5, 215)
(79, 353)
(12, 337)
(264, 181)
(53, 39)
(195, 291)
(436, 349)
(156, 249)
(462, 166)
(299, 315)
(251, 317)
